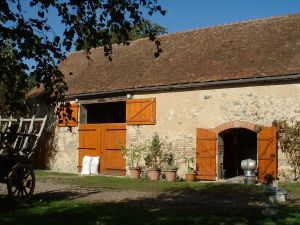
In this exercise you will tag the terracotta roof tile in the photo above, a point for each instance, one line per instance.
(259, 48)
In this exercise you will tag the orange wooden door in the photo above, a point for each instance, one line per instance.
(267, 152)
(89, 141)
(113, 136)
(206, 154)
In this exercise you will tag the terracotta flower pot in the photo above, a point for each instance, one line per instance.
(170, 175)
(135, 173)
(153, 174)
(190, 177)
(79, 168)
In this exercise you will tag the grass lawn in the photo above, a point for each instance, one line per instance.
(174, 203)
(114, 183)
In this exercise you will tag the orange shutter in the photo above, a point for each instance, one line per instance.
(141, 111)
(89, 141)
(67, 119)
(267, 152)
(206, 154)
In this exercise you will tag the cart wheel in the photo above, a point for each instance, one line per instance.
(21, 183)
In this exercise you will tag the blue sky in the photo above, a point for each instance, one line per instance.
(191, 14)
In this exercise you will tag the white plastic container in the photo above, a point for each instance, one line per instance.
(86, 165)
(95, 165)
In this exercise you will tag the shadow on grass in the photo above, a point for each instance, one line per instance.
(209, 204)
(66, 194)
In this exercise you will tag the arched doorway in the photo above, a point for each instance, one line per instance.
(223, 148)
(235, 145)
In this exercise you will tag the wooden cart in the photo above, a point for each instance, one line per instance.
(18, 140)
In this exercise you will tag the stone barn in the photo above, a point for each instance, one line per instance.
(213, 93)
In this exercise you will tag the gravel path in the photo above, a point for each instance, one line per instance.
(47, 190)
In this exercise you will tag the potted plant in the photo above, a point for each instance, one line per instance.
(190, 175)
(268, 181)
(153, 158)
(269, 178)
(133, 155)
(169, 167)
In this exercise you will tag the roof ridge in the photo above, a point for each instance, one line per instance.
(247, 21)
(197, 29)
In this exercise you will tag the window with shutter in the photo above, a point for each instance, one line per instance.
(68, 116)
(141, 111)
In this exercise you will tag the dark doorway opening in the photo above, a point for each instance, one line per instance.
(109, 112)
(235, 145)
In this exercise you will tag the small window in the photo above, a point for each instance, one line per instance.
(110, 112)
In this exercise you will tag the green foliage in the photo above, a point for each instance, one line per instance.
(144, 30)
(3, 107)
(25, 24)
(189, 162)
(135, 33)
(154, 153)
(133, 154)
(31, 83)
(269, 178)
(12, 86)
(168, 162)
(289, 143)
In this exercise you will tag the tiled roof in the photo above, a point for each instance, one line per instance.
(258, 48)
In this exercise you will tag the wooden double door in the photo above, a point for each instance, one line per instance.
(105, 141)
(206, 150)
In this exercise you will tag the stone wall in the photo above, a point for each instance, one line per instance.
(61, 146)
(65, 158)
(180, 113)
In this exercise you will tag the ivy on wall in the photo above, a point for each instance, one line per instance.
(289, 143)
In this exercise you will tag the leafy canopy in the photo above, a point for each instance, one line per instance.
(135, 33)
(289, 143)
(12, 87)
(26, 25)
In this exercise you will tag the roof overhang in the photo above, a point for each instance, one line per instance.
(182, 86)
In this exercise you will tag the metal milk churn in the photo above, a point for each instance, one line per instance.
(249, 167)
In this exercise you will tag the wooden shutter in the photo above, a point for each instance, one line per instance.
(65, 120)
(267, 152)
(206, 154)
(141, 111)
(89, 141)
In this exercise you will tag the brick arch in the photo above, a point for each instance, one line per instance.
(234, 124)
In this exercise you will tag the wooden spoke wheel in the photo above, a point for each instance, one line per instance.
(21, 183)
